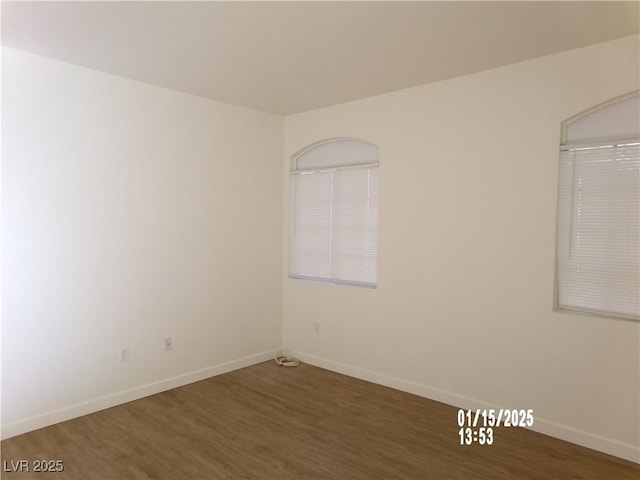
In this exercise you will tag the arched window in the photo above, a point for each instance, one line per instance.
(334, 212)
(598, 229)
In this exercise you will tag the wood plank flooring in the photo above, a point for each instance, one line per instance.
(267, 422)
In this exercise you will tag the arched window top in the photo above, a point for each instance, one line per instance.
(615, 119)
(335, 152)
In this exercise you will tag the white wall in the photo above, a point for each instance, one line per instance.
(463, 309)
(131, 213)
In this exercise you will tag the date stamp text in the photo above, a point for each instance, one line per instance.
(478, 426)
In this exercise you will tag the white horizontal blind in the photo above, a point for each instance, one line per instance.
(335, 225)
(334, 213)
(599, 230)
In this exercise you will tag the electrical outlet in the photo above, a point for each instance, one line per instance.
(124, 354)
(168, 344)
(317, 325)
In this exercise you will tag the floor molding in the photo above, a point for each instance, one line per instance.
(563, 432)
(84, 408)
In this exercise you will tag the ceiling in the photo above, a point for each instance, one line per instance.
(289, 57)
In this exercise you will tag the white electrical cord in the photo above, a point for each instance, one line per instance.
(284, 361)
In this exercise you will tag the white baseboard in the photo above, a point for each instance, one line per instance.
(118, 398)
(562, 432)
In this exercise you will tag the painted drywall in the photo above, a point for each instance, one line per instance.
(463, 309)
(131, 213)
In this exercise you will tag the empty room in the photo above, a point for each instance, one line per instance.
(320, 240)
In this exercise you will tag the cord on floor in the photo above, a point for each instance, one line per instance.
(285, 361)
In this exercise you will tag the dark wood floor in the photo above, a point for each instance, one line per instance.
(269, 422)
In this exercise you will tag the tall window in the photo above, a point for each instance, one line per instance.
(598, 230)
(334, 213)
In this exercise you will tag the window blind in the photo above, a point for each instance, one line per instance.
(334, 214)
(335, 224)
(599, 229)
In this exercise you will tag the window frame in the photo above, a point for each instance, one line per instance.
(565, 145)
(332, 167)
